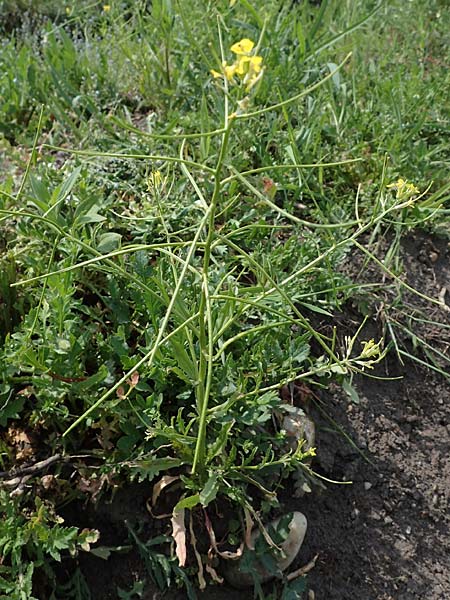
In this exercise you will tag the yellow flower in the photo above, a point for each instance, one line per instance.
(403, 188)
(229, 70)
(241, 65)
(245, 46)
(255, 63)
(370, 349)
(154, 181)
(106, 7)
(254, 72)
(247, 67)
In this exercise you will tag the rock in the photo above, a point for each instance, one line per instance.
(290, 548)
(299, 427)
(367, 485)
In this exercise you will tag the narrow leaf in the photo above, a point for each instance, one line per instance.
(179, 536)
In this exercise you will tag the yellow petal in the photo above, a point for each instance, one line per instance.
(255, 64)
(245, 46)
(215, 74)
(241, 65)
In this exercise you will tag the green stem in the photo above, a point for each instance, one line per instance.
(205, 318)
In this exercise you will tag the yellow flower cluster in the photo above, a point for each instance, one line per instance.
(247, 67)
(370, 349)
(154, 181)
(403, 188)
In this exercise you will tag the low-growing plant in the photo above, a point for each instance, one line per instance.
(175, 270)
(226, 330)
(28, 537)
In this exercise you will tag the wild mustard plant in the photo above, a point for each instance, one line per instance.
(242, 302)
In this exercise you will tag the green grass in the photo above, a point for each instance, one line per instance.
(165, 263)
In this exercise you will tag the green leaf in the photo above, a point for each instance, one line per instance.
(316, 309)
(92, 381)
(103, 552)
(188, 502)
(10, 404)
(209, 492)
(41, 194)
(219, 445)
(151, 467)
(293, 590)
(87, 212)
(350, 391)
(62, 191)
(109, 241)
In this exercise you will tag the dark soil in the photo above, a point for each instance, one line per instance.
(384, 537)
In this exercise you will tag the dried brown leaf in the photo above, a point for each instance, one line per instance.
(213, 574)
(212, 536)
(179, 536)
(161, 484)
(303, 570)
(248, 529)
(134, 379)
(200, 576)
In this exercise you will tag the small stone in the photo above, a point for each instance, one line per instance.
(408, 530)
(299, 426)
(434, 256)
(367, 485)
(47, 481)
(388, 520)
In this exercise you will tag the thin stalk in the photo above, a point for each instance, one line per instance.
(206, 333)
(93, 154)
(275, 287)
(297, 97)
(291, 166)
(289, 215)
(32, 155)
(165, 136)
(246, 332)
(205, 318)
(90, 261)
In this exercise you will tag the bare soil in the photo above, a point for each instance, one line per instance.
(386, 536)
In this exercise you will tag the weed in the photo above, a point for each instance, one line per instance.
(200, 174)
